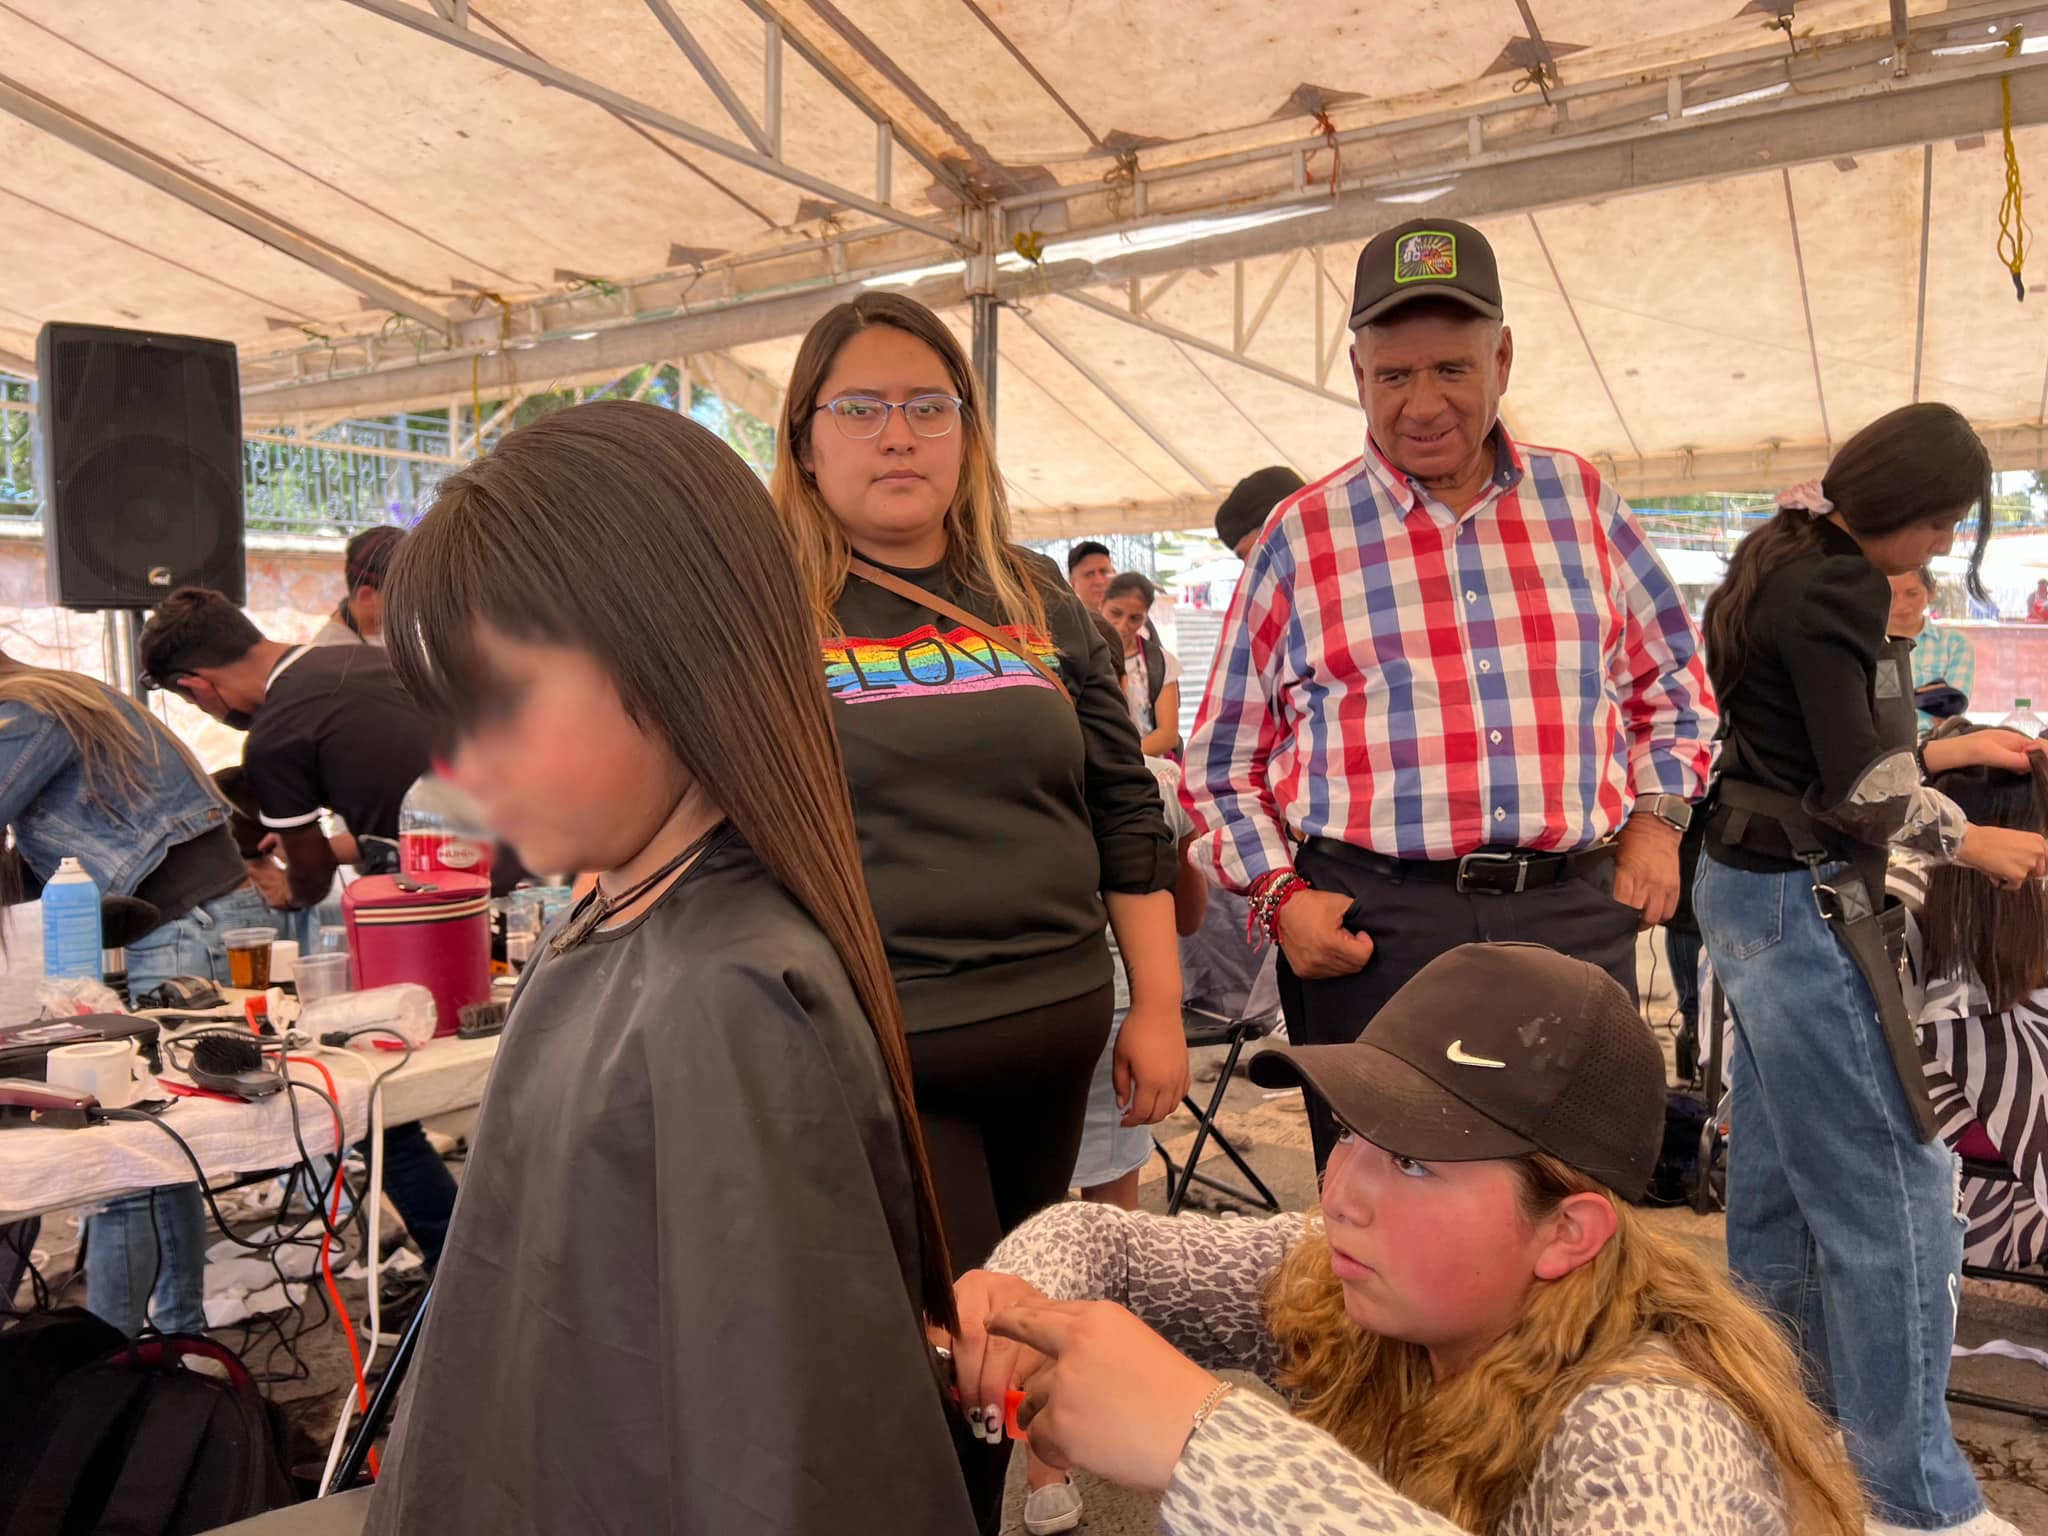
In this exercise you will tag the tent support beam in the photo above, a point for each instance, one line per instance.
(1920, 298)
(1108, 392)
(1196, 343)
(843, 83)
(771, 93)
(652, 117)
(986, 353)
(1159, 290)
(1866, 48)
(1266, 304)
(1820, 393)
(1816, 129)
(174, 181)
(1585, 341)
(708, 70)
(1061, 404)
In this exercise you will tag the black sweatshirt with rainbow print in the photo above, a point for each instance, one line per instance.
(992, 812)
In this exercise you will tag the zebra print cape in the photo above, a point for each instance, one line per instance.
(1991, 1068)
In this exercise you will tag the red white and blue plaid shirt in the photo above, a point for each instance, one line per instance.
(1423, 684)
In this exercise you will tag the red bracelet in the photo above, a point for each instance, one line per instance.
(1293, 889)
(1268, 894)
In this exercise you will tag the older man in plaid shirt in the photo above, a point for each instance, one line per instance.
(1457, 697)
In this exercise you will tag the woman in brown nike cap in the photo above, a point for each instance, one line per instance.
(1474, 1333)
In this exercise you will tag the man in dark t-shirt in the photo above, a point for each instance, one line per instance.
(329, 728)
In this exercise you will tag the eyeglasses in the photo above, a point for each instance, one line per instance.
(861, 416)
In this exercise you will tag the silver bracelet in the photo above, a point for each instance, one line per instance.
(1217, 1393)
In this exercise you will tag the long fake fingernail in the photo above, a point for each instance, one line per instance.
(974, 1423)
(992, 1416)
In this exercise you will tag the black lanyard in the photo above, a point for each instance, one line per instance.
(595, 907)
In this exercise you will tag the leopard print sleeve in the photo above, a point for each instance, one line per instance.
(1255, 1467)
(1195, 1280)
(1631, 1458)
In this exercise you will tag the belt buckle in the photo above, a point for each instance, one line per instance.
(1498, 861)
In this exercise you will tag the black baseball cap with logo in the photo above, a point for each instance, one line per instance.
(1425, 259)
(1496, 1051)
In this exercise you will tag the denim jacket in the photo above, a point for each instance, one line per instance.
(42, 796)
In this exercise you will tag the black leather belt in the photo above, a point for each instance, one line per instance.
(1494, 871)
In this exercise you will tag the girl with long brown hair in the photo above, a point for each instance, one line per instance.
(1977, 987)
(1841, 1196)
(687, 1280)
(1474, 1332)
(1000, 793)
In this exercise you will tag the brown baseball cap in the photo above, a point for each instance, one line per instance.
(1495, 1051)
(1425, 259)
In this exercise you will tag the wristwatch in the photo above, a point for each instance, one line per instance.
(1674, 811)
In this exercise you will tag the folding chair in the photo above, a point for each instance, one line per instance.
(1203, 1028)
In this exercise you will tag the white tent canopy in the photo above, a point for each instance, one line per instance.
(1729, 232)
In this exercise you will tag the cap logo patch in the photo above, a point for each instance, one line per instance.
(1426, 255)
(1457, 1053)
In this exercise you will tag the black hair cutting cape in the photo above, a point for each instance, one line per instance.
(677, 1294)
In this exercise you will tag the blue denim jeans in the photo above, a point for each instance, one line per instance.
(1841, 1220)
(145, 1254)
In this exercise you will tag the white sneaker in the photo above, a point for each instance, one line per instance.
(1048, 1511)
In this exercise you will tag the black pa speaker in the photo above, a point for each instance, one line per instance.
(141, 465)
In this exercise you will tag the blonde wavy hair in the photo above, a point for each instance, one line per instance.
(1468, 1448)
(980, 554)
(114, 750)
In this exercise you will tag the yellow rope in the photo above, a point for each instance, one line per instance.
(2013, 233)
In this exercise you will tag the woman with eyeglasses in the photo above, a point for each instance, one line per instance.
(999, 792)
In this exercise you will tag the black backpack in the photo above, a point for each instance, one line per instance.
(103, 1437)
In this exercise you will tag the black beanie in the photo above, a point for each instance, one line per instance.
(1252, 500)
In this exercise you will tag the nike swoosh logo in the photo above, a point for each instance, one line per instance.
(1456, 1052)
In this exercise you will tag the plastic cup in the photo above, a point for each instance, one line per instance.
(322, 976)
(249, 957)
(284, 958)
(334, 939)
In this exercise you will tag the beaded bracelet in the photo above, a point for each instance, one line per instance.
(1268, 895)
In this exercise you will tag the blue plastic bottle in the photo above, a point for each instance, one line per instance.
(71, 924)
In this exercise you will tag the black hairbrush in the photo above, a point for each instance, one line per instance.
(231, 1065)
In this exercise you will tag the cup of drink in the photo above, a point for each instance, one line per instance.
(249, 957)
(334, 939)
(322, 976)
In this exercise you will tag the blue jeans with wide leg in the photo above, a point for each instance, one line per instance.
(151, 1248)
(1841, 1221)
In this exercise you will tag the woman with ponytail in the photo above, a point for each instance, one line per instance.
(688, 1280)
(1841, 1197)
